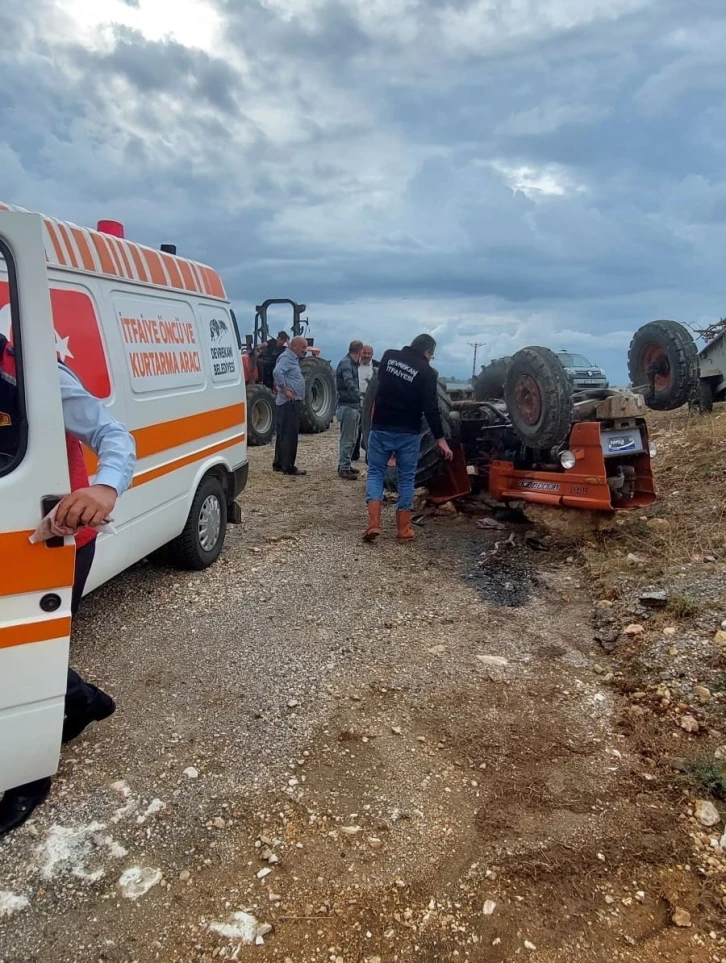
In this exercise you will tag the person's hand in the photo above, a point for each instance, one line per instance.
(86, 506)
(443, 447)
(392, 461)
(289, 393)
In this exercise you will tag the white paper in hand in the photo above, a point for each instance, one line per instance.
(49, 529)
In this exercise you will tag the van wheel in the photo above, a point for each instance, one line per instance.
(203, 537)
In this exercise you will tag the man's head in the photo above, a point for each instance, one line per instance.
(282, 338)
(425, 345)
(366, 354)
(354, 349)
(299, 346)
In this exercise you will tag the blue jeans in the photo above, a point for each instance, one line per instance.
(349, 419)
(383, 444)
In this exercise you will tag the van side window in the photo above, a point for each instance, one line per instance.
(13, 421)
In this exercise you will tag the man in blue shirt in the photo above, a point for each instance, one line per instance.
(289, 399)
(86, 419)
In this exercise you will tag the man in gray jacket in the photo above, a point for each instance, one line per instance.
(348, 410)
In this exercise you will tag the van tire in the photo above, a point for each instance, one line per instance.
(260, 415)
(209, 508)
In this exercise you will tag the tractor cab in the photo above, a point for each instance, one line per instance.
(259, 356)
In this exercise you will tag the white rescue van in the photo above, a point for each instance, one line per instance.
(153, 336)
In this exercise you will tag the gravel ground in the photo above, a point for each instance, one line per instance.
(390, 752)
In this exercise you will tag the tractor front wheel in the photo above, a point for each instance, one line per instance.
(538, 395)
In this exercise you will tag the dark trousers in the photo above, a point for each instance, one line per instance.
(286, 435)
(78, 692)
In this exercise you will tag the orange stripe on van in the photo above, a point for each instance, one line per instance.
(172, 270)
(123, 254)
(216, 288)
(140, 478)
(88, 263)
(153, 262)
(204, 272)
(157, 439)
(146, 476)
(34, 632)
(65, 234)
(107, 264)
(50, 227)
(187, 276)
(182, 431)
(139, 262)
(33, 568)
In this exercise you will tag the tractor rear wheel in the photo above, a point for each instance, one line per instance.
(538, 394)
(489, 383)
(320, 395)
(663, 364)
(260, 415)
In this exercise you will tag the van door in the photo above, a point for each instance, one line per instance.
(35, 580)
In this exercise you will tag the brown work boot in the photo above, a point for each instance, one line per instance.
(403, 523)
(374, 521)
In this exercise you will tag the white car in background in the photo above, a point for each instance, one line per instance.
(583, 374)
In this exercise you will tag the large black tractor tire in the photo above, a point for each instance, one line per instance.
(489, 383)
(538, 394)
(663, 364)
(320, 396)
(430, 460)
(260, 415)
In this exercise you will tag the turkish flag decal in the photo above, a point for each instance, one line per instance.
(77, 336)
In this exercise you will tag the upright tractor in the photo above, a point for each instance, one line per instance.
(258, 361)
(528, 435)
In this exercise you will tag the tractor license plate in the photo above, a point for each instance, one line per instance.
(621, 442)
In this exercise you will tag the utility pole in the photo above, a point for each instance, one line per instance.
(475, 345)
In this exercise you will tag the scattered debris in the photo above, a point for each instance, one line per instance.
(11, 904)
(497, 660)
(689, 723)
(654, 599)
(706, 813)
(681, 917)
(490, 523)
(243, 927)
(489, 907)
(138, 880)
(191, 773)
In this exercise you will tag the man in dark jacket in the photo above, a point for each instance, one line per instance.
(407, 391)
(348, 410)
(268, 356)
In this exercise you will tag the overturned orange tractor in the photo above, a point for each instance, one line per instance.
(528, 436)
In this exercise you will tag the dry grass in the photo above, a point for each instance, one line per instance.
(690, 475)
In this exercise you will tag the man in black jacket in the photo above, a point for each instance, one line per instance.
(348, 409)
(407, 391)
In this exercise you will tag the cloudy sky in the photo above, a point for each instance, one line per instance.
(504, 171)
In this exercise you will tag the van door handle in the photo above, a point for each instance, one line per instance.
(47, 504)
